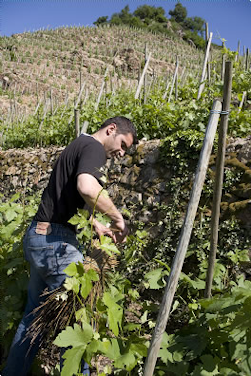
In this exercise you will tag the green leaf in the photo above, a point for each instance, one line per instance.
(91, 349)
(15, 197)
(71, 270)
(72, 360)
(115, 312)
(131, 327)
(143, 318)
(107, 245)
(102, 218)
(74, 336)
(81, 315)
(86, 282)
(72, 283)
(139, 349)
(209, 367)
(110, 348)
(126, 361)
(74, 220)
(154, 278)
(10, 214)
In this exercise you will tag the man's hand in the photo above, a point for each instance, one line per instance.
(103, 230)
(120, 230)
(91, 191)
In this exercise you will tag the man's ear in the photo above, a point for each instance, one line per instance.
(111, 128)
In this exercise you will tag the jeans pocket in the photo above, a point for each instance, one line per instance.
(43, 259)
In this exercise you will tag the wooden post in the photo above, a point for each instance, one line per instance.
(219, 177)
(38, 105)
(46, 105)
(174, 78)
(101, 89)
(182, 75)
(223, 67)
(37, 92)
(237, 57)
(84, 127)
(183, 242)
(76, 103)
(145, 78)
(80, 74)
(246, 62)
(204, 66)
(80, 94)
(176, 83)
(242, 101)
(86, 96)
(166, 91)
(76, 117)
(208, 63)
(244, 57)
(51, 99)
(142, 77)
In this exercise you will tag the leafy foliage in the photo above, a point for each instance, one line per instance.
(154, 19)
(15, 214)
(203, 336)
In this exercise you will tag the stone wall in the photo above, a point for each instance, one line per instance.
(137, 181)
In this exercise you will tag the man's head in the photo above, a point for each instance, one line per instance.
(118, 134)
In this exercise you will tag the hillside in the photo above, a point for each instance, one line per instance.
(42, 74)
(53, 64)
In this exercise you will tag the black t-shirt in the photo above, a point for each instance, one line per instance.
(61, 199)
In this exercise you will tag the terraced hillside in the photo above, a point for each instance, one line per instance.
(52, 65)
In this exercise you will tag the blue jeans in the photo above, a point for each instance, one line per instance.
(48, 256)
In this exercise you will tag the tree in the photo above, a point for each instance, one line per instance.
(123, 17)
(195, 24)
(149, 13)
(101, 21)
(179, 13)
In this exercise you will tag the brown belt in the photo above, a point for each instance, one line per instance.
(43, 228)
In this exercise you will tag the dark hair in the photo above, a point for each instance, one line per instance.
(124, 126)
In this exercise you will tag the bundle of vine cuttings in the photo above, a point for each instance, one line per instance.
(58, 306)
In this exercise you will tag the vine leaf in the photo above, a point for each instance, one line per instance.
(154, 278)
(71, 270)
(108, 246)
(72, 360)
(74, 336)
(126, 360)
(115, 312)
(72, 284)
(86, 282)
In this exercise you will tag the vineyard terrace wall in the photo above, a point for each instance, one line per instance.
(138, 182)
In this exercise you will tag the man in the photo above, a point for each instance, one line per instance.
(50, 242)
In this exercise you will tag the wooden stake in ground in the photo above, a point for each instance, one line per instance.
(85, 126)
(183, 242)
(76, 117)
(76, 104)
(208, 62)
(223, 67)
(246, 62)
(145, 78)
(203, 74)
(101, 89)
(242, 101)
(176, 82)
(142, 76)
(237, 57)
(174, 78)
(219, 177)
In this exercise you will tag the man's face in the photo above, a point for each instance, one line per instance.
(117, 144)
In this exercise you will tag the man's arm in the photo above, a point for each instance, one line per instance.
(91, 191)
